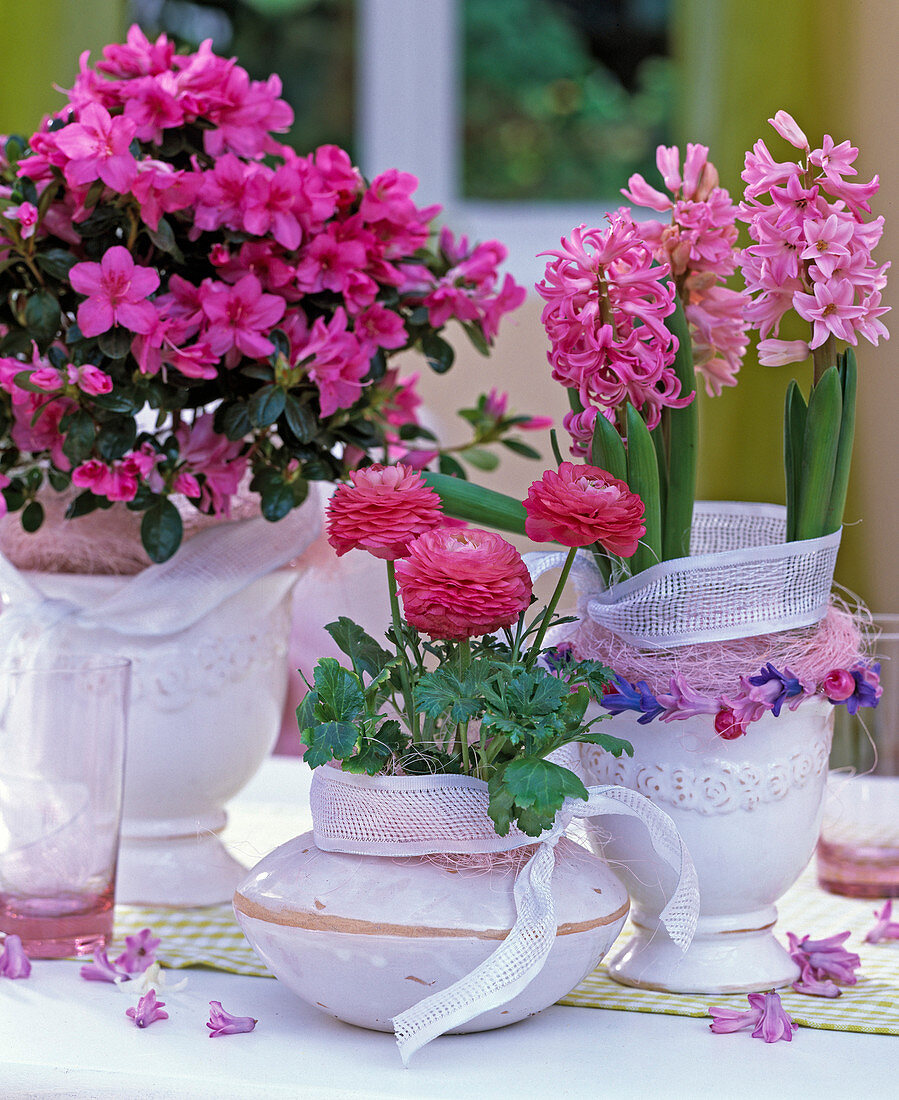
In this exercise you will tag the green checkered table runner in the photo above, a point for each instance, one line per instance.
(212, 937)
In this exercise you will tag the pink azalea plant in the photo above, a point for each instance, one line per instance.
(466, 685)
(188, 303)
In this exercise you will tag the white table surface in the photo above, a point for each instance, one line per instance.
(61, 1036)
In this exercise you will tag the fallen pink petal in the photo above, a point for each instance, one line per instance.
(775, 1023)
(147, 1010)
(139, 953)
(827, 958)
(222, 1022)
(765, 1015)
(809, 984)
(102, 970)
(885, 928)
(14, 963)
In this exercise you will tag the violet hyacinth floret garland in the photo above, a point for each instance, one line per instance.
(764, 693)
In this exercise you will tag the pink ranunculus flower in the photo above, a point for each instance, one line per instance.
(580, 505)
(462, 582)
(382, 511)
(117, 291)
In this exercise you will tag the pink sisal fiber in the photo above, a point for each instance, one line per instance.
(106, 541)
(713, 668)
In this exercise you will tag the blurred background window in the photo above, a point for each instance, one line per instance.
(563, 99)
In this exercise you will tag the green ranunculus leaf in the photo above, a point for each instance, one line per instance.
(364, 652)
(160, 530)
(539, 786)
(340, 697)
(329, 741)
(444, 692)
(606, 741)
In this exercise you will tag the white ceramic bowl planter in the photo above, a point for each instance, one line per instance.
(364, 938)
(749, 811)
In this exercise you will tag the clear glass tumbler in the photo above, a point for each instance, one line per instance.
(62, 763)
(858, 851)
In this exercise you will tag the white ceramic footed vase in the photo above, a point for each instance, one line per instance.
(749, 811)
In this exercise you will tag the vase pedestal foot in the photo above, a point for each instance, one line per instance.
(188, 870)
(728, 955)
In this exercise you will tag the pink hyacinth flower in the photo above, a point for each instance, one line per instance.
(14, 963)
(765, 1015)
(117, 290)
(885, 928)
(148, 1010)
(102, 970)
(222, 1022)
(827, 958)
(814, 987)
(139, 953)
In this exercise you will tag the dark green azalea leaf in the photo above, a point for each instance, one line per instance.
(42, 316)
(32, 516)
(161, 530)
(266, 405)
(116, 343)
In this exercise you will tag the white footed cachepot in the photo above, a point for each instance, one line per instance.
(749, 811)
(403, 910)
(207, 634)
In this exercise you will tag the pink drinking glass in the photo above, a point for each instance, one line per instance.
(62, 762)
(858, 851)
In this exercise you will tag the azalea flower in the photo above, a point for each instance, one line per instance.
(14, 963)
(222, 1022)
(765, 1015)
(117, 291)
(885, 928)
(148, 1010)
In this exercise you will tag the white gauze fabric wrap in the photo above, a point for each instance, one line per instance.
(423, 815)
(741, 579)
(163, 599)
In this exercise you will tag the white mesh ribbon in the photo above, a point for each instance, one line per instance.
(209, 568)
(741, 579)
(422, 815)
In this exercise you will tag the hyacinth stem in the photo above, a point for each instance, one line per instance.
(848, 371)
(819, 453)
(411, 716)
(824, 356)
(795, 413)
(537, 644)
(643, 479)
(682, 428)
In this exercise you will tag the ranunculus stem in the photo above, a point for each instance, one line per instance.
(411, 716)
(537, 644)
(464, 652)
